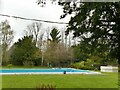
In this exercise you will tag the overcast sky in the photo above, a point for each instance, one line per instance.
(30, 9)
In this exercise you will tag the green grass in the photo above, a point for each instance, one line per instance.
(105, 80)
(0, 82)
(20, 67)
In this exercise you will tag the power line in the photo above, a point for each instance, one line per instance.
(23, 18)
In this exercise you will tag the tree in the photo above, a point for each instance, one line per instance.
(54, 35)
(6, 36)
(0, 54)
(94, 23)
(25, 52)
(81, 52)
(64, 55)
(49, 53)
(35, 30)
(58, 55)
(51, 46)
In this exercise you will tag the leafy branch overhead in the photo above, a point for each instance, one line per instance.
(95, 23)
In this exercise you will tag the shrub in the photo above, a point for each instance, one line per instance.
(78, 65)
(46, 87)
(28, 63)
(9, 65)
(86, 65)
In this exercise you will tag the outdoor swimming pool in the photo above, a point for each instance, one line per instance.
(46, 71)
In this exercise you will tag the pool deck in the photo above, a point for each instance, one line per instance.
(37, 73)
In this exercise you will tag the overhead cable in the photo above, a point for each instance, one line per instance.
(23, 18)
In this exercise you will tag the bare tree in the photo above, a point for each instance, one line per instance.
(35, 30)
(69, 41)
(57, 53)
(62, 36)
(49, 52)
(6, 37)
(48, 33)
(40, 41)
(0, 54)
(64, 54)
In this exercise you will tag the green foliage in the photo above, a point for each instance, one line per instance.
(54, 35)
(97, 25)
(28, 63)
(78, 65)
(9, 65)
(93, 63)
(93, 57)
(83, 65)
(25, 52)
(81, 52)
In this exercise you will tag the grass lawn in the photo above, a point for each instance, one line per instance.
(21, 67)
(105, 80)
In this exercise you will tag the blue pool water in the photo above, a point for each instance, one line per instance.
(41, 70)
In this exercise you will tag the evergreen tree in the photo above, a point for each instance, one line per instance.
(25, 52)
(55, 35)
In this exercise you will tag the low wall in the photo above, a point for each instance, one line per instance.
(108, 69)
